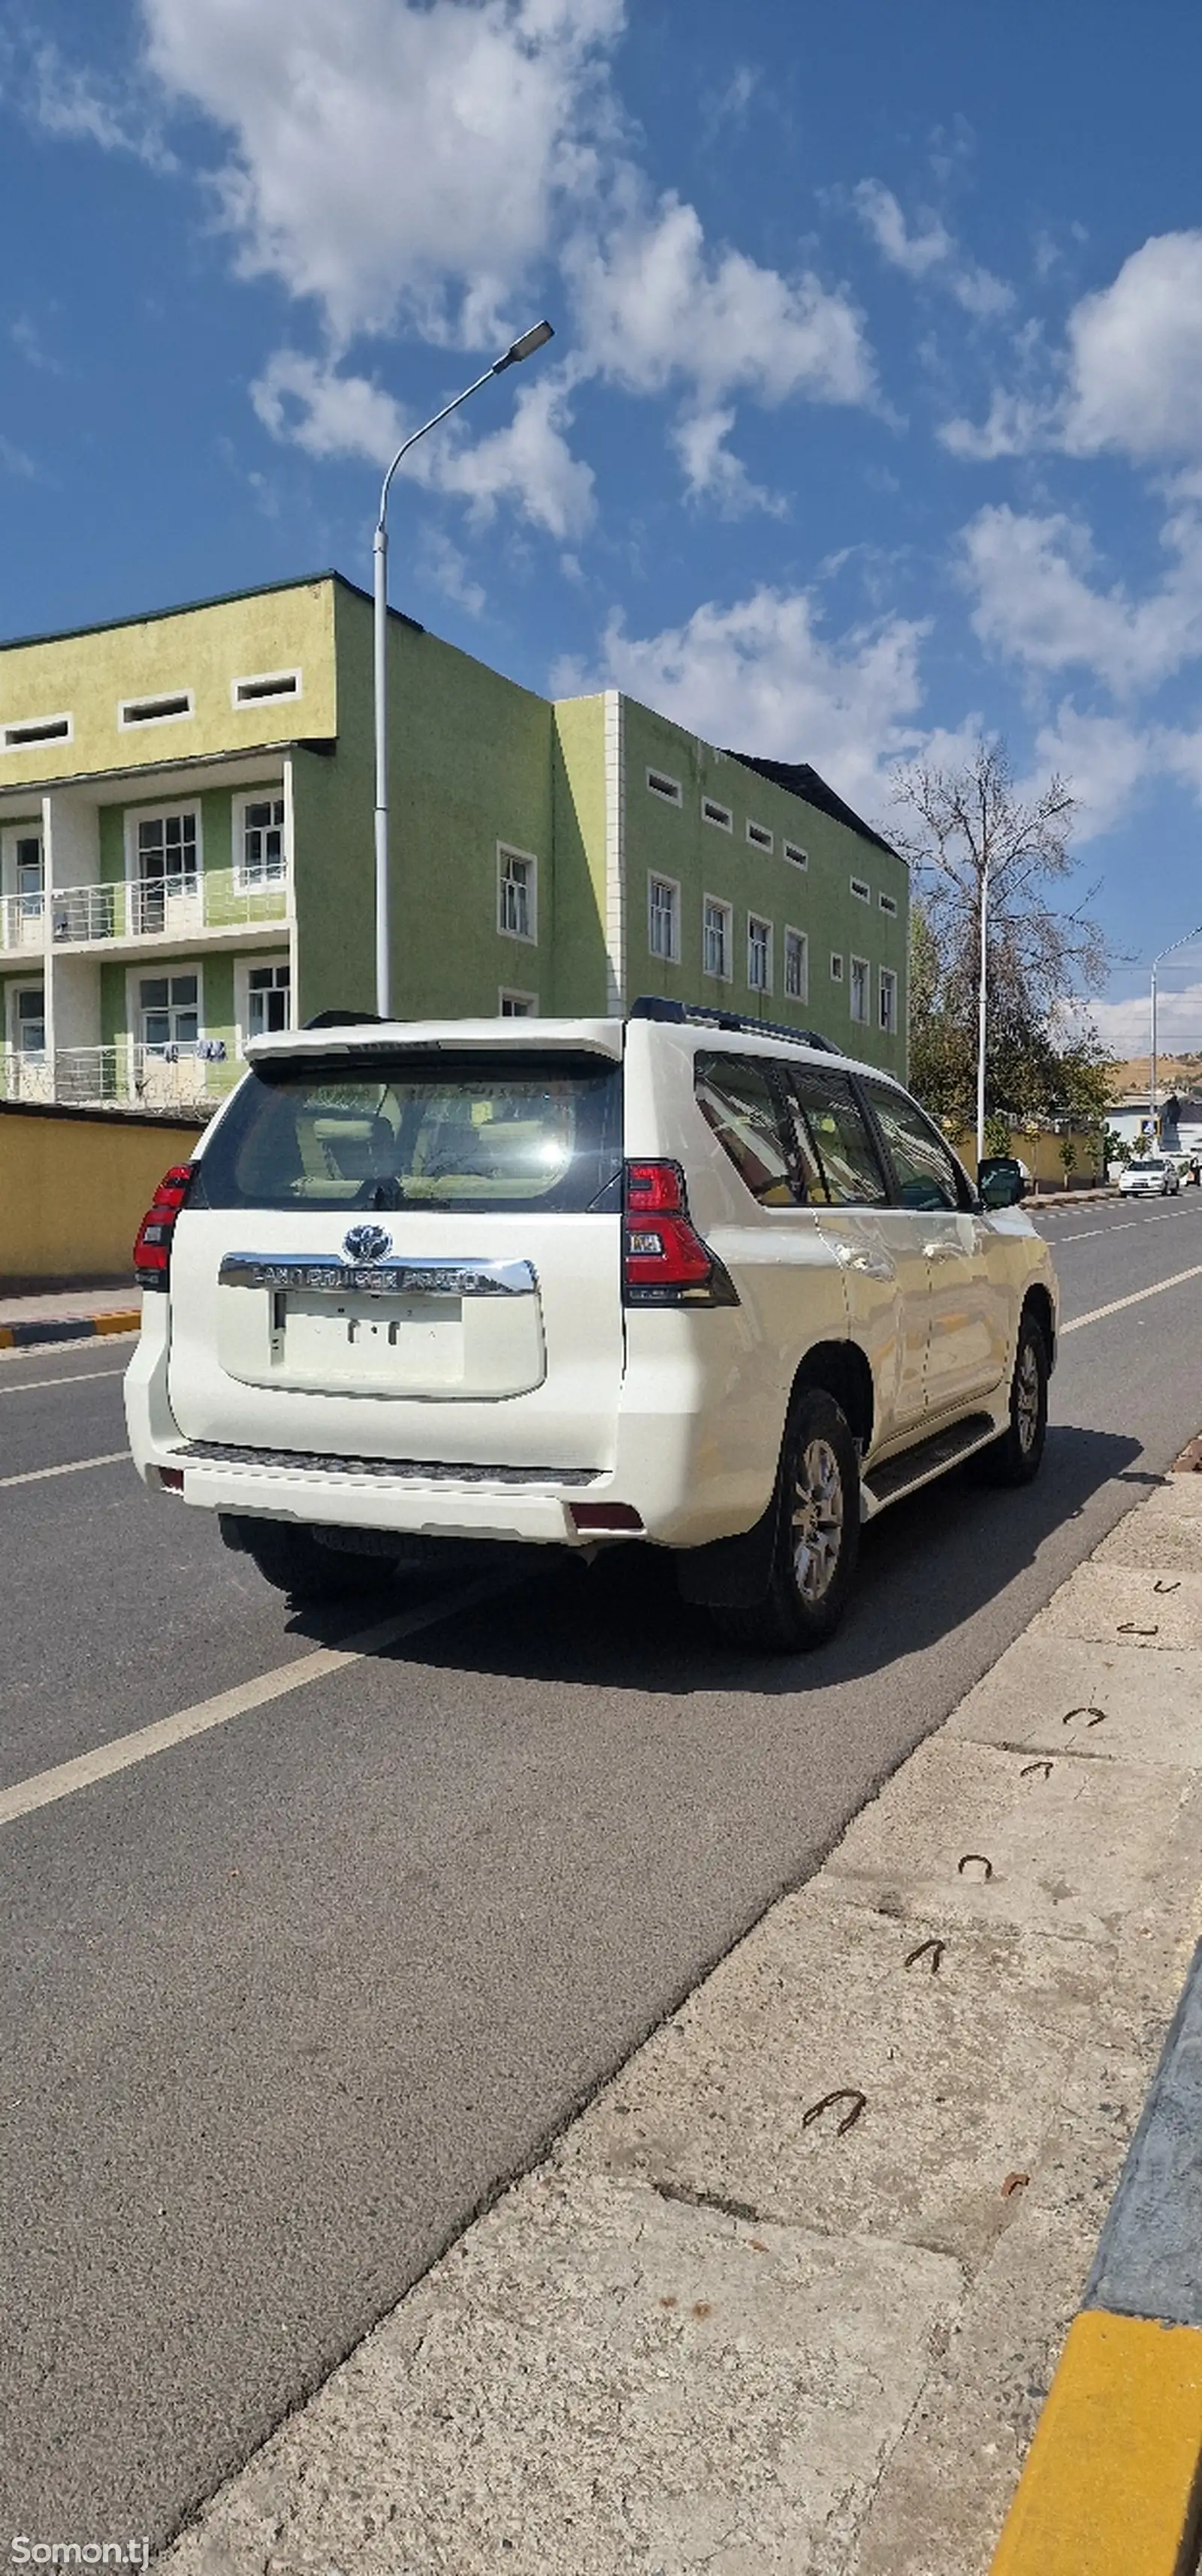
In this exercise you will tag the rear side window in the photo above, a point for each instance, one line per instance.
(922, 1166)
(847, 1158)
(479, 1132)
(739, 1100)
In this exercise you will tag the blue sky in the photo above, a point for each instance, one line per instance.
(874, 414)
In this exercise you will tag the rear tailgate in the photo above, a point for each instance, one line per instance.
(408, 1253)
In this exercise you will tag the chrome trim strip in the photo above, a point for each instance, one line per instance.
(420, 1276)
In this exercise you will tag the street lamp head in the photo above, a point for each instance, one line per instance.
(536, 338)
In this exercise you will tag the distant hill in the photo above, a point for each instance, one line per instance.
(1173, 1072)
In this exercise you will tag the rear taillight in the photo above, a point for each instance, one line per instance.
(152, 1248)
(664, 1261)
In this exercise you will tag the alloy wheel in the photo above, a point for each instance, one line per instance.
(1026, 1397)
(817, 1520)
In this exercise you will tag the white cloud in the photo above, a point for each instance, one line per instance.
(1129, 378)
(656, 306)
(1104, 760)
(710, 470)
(526, 460)
(1135, 356)
(1035, 602)
(394, 159)
(444, 565)
(761, 677)
(75, 106)
(1126, 1026)
(928, 252)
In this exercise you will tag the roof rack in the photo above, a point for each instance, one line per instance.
(341, 1019)
(653, 1006)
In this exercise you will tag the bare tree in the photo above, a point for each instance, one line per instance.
(984, 861)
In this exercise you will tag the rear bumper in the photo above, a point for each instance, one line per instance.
(409, 1505)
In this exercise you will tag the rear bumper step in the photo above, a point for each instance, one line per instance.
(312, 1462)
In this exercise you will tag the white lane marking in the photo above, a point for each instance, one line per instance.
(123, 1751)
(1136, 1299)
(86, 1377)
(34, 1475)
(1090, 1230)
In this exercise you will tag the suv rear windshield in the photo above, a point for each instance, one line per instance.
(510, 1130)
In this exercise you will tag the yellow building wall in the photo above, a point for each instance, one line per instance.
(1040, 1151)
(203, 649)
(74, 1189)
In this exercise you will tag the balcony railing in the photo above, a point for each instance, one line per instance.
(154, 907)
(22, 921)
(125, 1076)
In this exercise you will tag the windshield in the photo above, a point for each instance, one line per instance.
(509, 1130)
(1146, 1165)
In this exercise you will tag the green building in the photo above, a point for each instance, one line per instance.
(186, 852)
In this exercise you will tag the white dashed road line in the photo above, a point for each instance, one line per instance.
(74, 1467)
(85, 1377)
(45, 1787)
(1135, 1299)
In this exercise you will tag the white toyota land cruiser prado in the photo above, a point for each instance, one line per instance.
(685, 1278)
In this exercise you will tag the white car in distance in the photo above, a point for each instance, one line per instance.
(1150, 1176)
(683, 1278)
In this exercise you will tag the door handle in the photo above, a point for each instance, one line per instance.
(874, 1265)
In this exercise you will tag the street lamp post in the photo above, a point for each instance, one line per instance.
(982, 994)
(531, 340)
(1158, 960)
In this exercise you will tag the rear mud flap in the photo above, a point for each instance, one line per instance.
(732, 1573)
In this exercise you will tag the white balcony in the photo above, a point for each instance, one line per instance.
(167, 908)
(125, 1076)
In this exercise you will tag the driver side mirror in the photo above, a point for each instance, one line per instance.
(1003, 1187)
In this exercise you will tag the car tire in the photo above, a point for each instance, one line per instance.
(817, 1538)
(1015, 1459)
(293, 1561)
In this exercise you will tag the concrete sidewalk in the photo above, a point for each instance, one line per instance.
(789, 2295)
(67, 1315)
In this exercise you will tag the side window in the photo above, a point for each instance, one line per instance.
(922, 1167)
(846, 1154)
(738, 1099)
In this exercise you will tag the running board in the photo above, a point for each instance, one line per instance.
(919, 1466)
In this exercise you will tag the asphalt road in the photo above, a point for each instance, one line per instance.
(284, 2003)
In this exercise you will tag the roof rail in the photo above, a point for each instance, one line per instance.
(653, 1006)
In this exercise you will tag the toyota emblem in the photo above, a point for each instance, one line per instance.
(366, 1243)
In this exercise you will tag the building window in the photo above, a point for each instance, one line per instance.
(861, 889)
(29, 1019)
(716, 938)
(887, 904)
(263, 686)
(888, 1001)
(33, 730)
(793, 850)
(858, 995)
(663, 918)
(169, 1011)
(268, 996)
(151, 711)
(258, 841)
(517, 894)
(836, 970)
(517, 1006)
(719, 815)
(759, 954)
(759, 838)
(164, 861)
(797, 965)
(667, 788)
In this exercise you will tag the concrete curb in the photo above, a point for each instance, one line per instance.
(67, 1328)
(1115, 2467)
